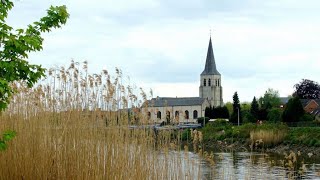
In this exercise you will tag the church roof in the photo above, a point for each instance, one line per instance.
(171, 101)
(210, 68)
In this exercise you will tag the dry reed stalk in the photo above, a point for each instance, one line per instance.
(71, 127)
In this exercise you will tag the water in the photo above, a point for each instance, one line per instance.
(244, 165)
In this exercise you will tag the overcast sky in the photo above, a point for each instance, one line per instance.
(162, 44)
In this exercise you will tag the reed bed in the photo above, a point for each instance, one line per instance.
(266, 138)
(74, 125)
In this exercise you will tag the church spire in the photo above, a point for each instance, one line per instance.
(210, 68)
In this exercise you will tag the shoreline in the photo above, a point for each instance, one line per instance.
(245, 147)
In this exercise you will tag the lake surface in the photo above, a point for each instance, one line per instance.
(245, 165)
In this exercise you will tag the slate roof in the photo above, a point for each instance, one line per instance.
(171, 101)
(284, 100)
(210, 67)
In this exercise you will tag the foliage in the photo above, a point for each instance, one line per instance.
(217, 130)
(245, 106)
(222, 112)
(186, 135)
(236, 108)
(229, 107)
(306, 118)
(263, 114)
(254, 110)
(16, 44)
(293, 111)
(203, 120)
(247, 117)
(208, 112)
(270, 99)
(308, 136)
(217, 113)
(307, 89)
(7, 136)
(274, 115)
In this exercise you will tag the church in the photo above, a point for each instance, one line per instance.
(188, 109)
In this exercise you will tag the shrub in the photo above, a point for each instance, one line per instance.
(186, 135)
(306, 117)
(203, 120)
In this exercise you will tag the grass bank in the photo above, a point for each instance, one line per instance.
(267, 135)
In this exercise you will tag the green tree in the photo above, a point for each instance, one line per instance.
(209, 112)
(274, 115)
(270, 99)
(229, 107)
(16, 44)
(247, 117)
(221, 113)
(293, 110)
(14, 48)
(236, 108)
(254, 110)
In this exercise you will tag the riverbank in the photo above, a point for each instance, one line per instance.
(274, 138)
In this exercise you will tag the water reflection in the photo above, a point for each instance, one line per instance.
(243, 165)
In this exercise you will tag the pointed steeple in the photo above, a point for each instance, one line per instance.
(210, 68)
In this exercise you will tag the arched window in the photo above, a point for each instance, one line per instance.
(159, 114)
(176, 115)
(149, 115)
(186, 114)
(204, 82)
(195, 114)
(168, 115)
(209, 82)
(216, 82)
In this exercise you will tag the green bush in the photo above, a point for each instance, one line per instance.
(306, 118)
(186, 135)
(203, 120)
(308, 136)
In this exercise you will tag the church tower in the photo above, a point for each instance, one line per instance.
(210, 80)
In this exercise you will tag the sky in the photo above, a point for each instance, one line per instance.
(162, 44)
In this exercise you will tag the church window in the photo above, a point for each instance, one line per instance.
(204, 82)
(195, 114)
(159, 114)
(177, 114)
(186, 114)
(209, 82)
(216, 82)
(149, 115)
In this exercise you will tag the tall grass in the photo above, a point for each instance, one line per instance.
(267, 137)
(71, 126)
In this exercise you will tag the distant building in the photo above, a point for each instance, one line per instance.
(188, 109)
(311, 106)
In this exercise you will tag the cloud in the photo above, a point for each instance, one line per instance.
(163, 44)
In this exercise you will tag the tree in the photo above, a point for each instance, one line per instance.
(236, 108)
(274, 115)
(221, 113)
(270, 99)
(14, 48)
(254, 110)
(229, 106)
(293, 111)
(209, 112)
(307, 89)
(247, 117)
(16, 44)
